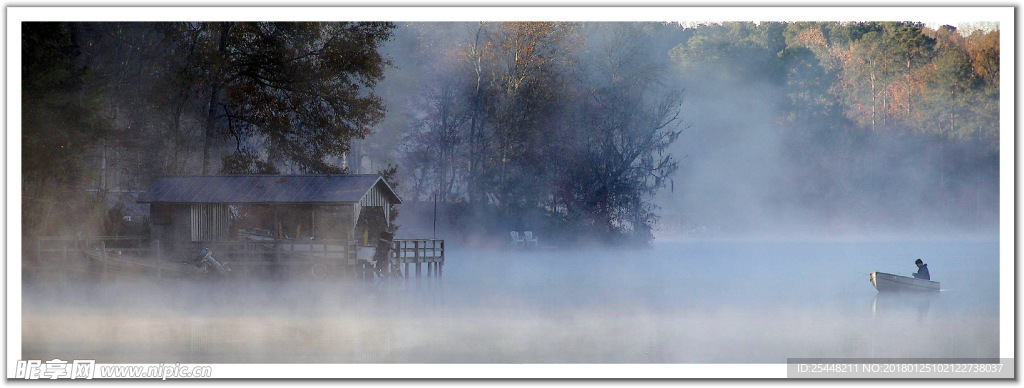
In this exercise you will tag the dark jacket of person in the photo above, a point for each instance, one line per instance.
(922, 272)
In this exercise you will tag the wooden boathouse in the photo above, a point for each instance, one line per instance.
(310, 225)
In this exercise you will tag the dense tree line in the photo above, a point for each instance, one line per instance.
(879, 124)
(574, 130)
(61, 120)
(112, 105)
(554, 127)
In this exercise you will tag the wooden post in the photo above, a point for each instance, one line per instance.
(401, 253)
(350, 252)
(395, 264)
(416, 255)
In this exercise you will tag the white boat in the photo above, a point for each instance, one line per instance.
(889, 282)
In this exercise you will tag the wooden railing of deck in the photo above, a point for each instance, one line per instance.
(419, 252)
(128, 256)
(240, 255)
(123, 244)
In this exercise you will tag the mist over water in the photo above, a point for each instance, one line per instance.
(775, 176)
(723, 301)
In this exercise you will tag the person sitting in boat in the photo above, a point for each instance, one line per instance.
(922, 270)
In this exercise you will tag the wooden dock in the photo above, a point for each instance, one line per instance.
(104, 258)
(122, 258)
(419, 252)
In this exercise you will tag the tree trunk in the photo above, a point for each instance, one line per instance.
(473, 167)
(872, 102)
(211, 114)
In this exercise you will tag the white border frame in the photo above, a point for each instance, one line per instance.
(944, 15)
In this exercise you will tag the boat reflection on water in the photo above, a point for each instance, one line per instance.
(903, 302)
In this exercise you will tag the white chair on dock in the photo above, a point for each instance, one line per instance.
(516, 240)
(530, 239)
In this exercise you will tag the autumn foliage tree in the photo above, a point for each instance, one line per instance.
(871, 115)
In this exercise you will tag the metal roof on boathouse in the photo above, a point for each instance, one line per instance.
(270, 189)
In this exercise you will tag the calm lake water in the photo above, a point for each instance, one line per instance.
(676, 302)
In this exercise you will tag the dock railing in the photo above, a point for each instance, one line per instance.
(242, 254)
(59, 254)
(125, 244)
(418, 252)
